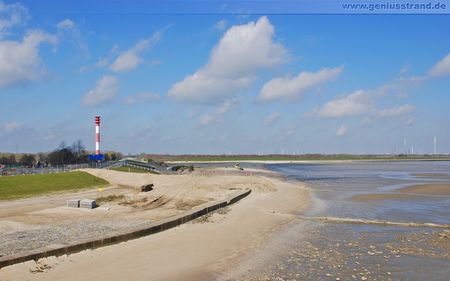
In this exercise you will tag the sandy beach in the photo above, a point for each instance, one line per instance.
(193, 251)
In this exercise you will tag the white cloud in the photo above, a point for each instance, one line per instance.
(49, 137)
(11, 15)
(290, 89)
(101, 63)
(233, 65)
(271, 118)
(66, 24)
(216, 116)
(401, 95)
(126, 61)
(67, 28)
(129, 60)
(104, 92)
(203, 88)
(442, 67)
(356, 103)
(20, 61)
(221, 25)
(13, 127)
(368, 121)
(400, 110)
(141, 98)
(409, 120)
(405, 69)
(342, 130)
(289, 132)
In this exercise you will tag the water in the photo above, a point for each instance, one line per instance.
(310, 250)
(337, 185)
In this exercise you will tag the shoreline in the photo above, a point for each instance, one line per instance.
(190, 251)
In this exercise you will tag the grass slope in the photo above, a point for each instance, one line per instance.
(24, 186)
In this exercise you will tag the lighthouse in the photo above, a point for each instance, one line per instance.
(97, 157)
(97, 135)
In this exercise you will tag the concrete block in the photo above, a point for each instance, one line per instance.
(88, 204)
(74, 203)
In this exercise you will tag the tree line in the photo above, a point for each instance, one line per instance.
(64, 154)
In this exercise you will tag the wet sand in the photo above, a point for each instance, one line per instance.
(433, 189)
(411, 192)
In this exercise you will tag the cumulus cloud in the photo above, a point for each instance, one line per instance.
(217, 114)
(405, 69)
(291, 89)
(400, 110)
(441, 68)
(11, 15)
(67, 28)
(368, 121)
(233, 65)
(20, 61)
(141, 98)
(66, 24)
(342, 130)
(221, 25)
(102, 62)
(401, 95)
(409, 120)
(289, 132)
(13, 127)
(15, 131)
(353, 104)
(130, 59)
(104, 92)
(269, 120)
(204, 88)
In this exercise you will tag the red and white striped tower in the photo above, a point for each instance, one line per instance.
(97, 135)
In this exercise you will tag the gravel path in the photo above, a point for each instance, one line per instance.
(20, 241)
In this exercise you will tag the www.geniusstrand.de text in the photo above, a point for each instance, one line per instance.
(394, 6)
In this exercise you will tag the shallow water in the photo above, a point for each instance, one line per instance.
(326, 251)
(337, 183)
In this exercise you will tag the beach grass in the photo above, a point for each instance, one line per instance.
(25, 186)
(132, 170)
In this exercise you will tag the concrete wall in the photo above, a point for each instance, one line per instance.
(118, 237)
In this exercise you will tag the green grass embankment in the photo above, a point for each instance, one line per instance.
(25, 186)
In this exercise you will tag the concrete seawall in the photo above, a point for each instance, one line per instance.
(118, 237)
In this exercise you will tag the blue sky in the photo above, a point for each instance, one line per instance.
(218, 78)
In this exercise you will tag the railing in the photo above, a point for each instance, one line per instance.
(71, 167)
(53, 169)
